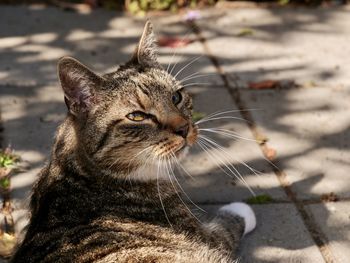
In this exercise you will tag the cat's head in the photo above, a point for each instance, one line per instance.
(127, 120)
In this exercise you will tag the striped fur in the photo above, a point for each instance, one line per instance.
(101, 198)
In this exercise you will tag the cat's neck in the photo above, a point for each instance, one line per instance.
(66, 154)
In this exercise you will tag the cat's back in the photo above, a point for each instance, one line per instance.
(79, 220)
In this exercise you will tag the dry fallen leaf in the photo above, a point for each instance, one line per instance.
(270, 153)
(265, 84)
(7, 244)
(330, 197)
(79, 8)
(261, 139)
(173, 42)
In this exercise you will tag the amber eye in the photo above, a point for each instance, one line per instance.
(176, 98)
(137, 116)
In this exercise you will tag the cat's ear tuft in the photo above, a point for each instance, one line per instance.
(145, 53)
(79, 85)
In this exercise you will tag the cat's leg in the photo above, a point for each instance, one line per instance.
(231, 223)
(242, 210)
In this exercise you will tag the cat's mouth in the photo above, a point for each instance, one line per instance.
(188, 142)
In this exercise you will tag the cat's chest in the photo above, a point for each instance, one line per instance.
(79, 202)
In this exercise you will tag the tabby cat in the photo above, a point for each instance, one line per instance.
(103, 196)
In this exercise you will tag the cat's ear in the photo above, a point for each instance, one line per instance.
(79, 85)
(145, 53)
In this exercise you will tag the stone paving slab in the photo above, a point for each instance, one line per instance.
(280, 236)
(218, 186)
(33, 39)
(307, 45)
(334, 220)
(309, 128)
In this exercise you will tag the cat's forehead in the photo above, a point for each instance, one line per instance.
(148, 88)
(152, 82)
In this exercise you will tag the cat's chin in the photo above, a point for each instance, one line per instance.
(182, 152)
(155, 171)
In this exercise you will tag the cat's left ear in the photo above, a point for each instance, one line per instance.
(145, 53)
(79, 84)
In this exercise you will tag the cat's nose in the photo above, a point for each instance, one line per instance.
(178, 125)
(182, 130)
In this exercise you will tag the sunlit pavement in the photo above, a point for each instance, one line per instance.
(284, 75)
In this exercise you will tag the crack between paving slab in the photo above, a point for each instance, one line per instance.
(317, 235)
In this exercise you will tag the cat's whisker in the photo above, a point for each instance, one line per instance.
(214, 158)
(189, 31)
(207, 148)
(174, 66)
(233, 170)
(139, 169)
(226, 133)
(114, 163)
(172, 175)
(194, 77)
(217, 113)
(189, 76)
(256, 172)
(138, 154)
(183, 168)
(171, 61)
(159, 195)
(195, 84)
(187, 65)
(226, 158)
(220, 118)
(178, 183)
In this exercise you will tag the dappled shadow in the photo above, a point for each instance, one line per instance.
(300, 44)
(308, 127)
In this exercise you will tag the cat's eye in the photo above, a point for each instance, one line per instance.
(176, 98)
(137, 116)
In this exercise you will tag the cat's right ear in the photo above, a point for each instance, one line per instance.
(145, 52)
(79, 85)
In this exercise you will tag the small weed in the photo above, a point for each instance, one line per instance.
(8, 158)
(196, 116)
(283, 2)
(245, 32)
(5, 182)
(260, 199)
(140, 7)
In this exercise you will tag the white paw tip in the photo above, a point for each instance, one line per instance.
(243, 210)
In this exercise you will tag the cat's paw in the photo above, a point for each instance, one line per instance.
(243, 210)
